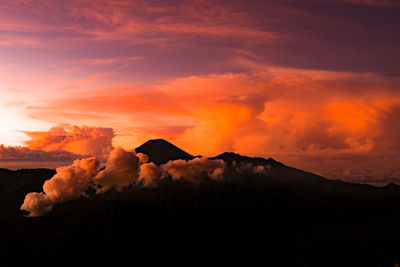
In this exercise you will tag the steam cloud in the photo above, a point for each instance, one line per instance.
(149, 174)
(251, 168)
(123, 168)
(195, 169)
(68, 183)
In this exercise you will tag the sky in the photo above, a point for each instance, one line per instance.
(314, 84)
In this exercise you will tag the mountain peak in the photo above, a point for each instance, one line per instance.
(391, 185)
(161, 151)
(158, 140)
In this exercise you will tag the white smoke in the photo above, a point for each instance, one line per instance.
(37, 204)
(143, 158)
(251, 168)
(195, 169)
(149, 174)
(68, 183)
(123, 168)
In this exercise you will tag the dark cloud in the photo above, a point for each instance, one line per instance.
(18, 153)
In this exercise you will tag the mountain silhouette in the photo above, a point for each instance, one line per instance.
(281, 217)
(161, 151)
(276, 169)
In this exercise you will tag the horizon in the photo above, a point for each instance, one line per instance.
(312, 84)
(17, 164)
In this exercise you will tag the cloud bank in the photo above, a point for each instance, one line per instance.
(292, 115)
(19, 153)
(62, 145)
(85, 140)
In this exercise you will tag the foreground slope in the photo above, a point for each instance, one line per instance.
(248, 220)
(285, 217)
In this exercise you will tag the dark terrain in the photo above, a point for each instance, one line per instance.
(286, 218)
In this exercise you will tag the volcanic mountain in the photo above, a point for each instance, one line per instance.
(276, 169)
(161, 151)
(280, 217)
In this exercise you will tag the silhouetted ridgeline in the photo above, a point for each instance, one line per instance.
(283, 217)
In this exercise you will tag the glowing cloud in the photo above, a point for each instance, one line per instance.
(85, 140)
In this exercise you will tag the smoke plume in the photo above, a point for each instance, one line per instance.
(68, 183)
(143, 158)
(194, 169)
(149, 174)
(251, 168)
(37, 204)
(123, 168)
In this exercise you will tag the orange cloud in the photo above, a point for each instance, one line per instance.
(93, 141)
(58, 146)
(290, 110)
(272, 111)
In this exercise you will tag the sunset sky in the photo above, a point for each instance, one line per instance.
(312, 83)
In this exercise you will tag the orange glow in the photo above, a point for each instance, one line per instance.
(244, 113)
(79, 140)
(209, 76)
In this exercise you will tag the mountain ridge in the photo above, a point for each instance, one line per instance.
(280, 217)
(161, 151)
